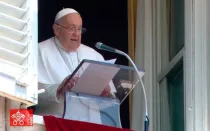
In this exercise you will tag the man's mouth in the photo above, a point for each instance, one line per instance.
(74, 40)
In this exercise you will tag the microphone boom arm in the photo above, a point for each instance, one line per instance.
(130, 60)
(102, 46)
(146, 122)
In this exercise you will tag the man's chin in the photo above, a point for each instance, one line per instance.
(74, 47)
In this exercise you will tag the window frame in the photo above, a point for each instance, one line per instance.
(163, 63)
(195, 60)
(196, 65)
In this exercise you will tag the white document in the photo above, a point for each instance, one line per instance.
(94, 79)
(112, 61)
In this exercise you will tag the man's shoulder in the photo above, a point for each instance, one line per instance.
(87, 48)
(46, 43)
(92, 51)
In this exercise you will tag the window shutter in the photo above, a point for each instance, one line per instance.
(18, 50)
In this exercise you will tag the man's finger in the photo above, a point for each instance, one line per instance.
(75, 79)
(69, 86)
(106, 91)
(70, 83)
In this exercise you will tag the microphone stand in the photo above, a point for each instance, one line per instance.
(146, 121)
(101, 46)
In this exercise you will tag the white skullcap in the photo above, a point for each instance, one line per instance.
(64, 12)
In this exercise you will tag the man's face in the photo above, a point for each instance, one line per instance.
(68, 30)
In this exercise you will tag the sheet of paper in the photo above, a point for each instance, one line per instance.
(112, 61)
(94, 79)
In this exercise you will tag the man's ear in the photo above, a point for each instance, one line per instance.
(55, 29)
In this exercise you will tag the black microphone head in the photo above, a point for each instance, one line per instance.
(98, 45)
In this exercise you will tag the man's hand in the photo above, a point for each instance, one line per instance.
(106, 91)
(71, 83)
(66, 86)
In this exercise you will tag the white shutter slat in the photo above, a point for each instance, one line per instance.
(11, 69)
(12, 56)
(17, 3)
(12, 44)
(11, 10)
(12, 33)
(12, 22)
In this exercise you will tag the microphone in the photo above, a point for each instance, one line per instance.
(102, 46)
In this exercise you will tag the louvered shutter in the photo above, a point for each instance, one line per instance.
(18, 50)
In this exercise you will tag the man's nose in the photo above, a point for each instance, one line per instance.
(76, 32)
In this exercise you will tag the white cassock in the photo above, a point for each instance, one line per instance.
(54, 65)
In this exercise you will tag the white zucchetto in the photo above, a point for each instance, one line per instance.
(64, 12)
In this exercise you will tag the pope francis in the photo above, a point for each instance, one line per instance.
(58, 58)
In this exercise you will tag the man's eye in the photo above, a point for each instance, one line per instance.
(72, 28)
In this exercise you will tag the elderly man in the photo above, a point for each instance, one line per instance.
(58, 58)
